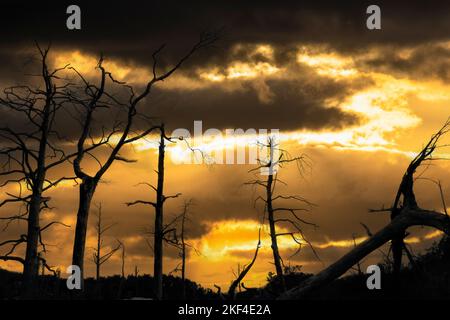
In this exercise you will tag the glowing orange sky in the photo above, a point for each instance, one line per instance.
(360, 163)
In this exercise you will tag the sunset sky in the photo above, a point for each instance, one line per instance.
(359, 103)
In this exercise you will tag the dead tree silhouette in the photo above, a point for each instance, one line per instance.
(275, 159)
(178, 230)
(407, 213)
(31, 147)
(122, 270)
(183, 247)
(98, 258)
(231, 293)
(182, 244)
(161, 233)
(122, 273)
(245, 270)
(96, 99)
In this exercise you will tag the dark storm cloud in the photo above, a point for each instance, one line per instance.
(295, 104)
(297, 100)
(18, 66)
(423, 62)
(132, 29)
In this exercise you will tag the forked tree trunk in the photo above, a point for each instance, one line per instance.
(397, 227)
(87, 189)
(31, 265)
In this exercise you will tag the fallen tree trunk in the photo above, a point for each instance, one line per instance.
(408, 218)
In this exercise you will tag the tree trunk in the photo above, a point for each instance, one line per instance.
(122, 279)
(123, 261)
(159, 233)
(241, 275)
(157, 264)
(397, 253)
(183, 256)
(98, 254)
(87, 189)
(397, 243)
(97, 262)
(273, 233)
(398, 226)
(31, 266)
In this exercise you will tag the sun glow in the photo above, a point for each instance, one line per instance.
(87, 65)
(240, 70)
(228, 239)
(377, 118)
(381, 109)
(327, 64)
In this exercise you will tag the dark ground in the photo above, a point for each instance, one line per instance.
(428, 278)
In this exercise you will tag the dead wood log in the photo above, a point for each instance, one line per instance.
(408, 218)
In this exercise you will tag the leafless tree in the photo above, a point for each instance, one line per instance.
(405, 197)
(236, 283)
(97, 98)
(123, 259)
(274, 160)
(30, 148)
(179, 241)
(99, 258)
(183, 249)
(405, 213)
(161, 233)
(122, 278)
